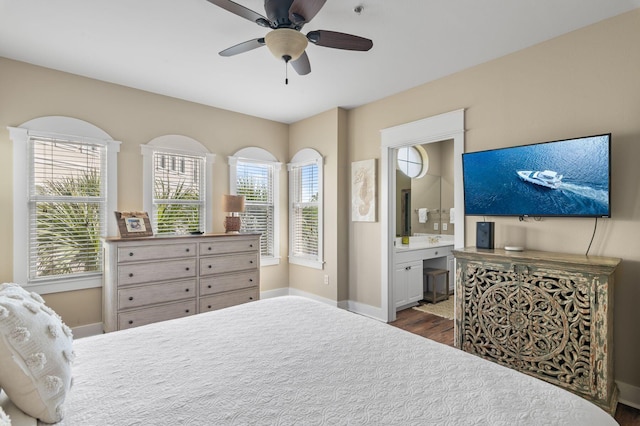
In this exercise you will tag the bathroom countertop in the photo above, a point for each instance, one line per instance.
(423, 242)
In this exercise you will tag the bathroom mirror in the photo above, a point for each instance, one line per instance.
(423, 203)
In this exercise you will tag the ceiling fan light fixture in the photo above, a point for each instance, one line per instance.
(286, 42)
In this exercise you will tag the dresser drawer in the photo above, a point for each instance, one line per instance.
(156, 271)
(224, 300)
(156, 293)
(155, 314)
(228, 245)
(222, 264)
(228, 282)
(160, 252)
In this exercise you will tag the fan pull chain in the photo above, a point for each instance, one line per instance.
(286, 58)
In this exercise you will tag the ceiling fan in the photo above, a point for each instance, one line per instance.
(286, 18)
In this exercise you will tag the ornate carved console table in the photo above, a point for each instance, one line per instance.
(545, 314)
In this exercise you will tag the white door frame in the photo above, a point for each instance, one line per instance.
(438, 128)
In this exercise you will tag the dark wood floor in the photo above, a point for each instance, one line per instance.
(441, 330)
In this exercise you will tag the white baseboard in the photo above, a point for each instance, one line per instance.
(366, 310)
(301, 293)
(274, 293)
(629, 394)
(87, 330)
(287, 291)
(349, 305)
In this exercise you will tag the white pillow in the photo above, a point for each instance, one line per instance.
(35, 354)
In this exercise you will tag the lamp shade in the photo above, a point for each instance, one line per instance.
(285, 42)
(233, 203)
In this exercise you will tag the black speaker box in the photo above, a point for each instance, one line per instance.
(484, 235)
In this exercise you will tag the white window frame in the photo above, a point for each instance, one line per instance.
(302, 158)
(63, 128)
(179, 145)
(263, 157)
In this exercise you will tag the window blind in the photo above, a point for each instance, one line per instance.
(67, 204)
(178, 198)
(255, 182)
(305, 205)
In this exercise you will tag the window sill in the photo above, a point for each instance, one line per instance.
(269, 261)
(62, 285)
(309, 263)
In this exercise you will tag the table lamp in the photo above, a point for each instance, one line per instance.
(232, 204)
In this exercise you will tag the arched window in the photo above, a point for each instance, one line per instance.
(306, 209)
(254, 173)
(177, 174)
(65, 192)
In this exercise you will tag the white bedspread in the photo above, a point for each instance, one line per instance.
(292, 361)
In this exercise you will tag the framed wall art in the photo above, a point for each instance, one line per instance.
(363, 191)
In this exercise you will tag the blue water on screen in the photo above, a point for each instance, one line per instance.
(492, 186)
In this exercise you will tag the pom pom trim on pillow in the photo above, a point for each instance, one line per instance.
(35, 354)
(5, 420)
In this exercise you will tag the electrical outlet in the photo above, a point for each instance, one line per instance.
(444, 226)
(326, 280)
(435, 226)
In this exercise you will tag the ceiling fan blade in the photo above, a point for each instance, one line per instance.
(302, 65)
(339, 40)
(243, 47)
(242, 11)
(303, 11)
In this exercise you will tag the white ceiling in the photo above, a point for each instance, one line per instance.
(171, 47)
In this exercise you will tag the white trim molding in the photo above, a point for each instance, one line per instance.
(179, 145)
(304, 157)
(629, 394)
(257, 155)
(65, 128)
(438, 128)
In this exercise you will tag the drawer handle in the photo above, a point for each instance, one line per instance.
(187, 268)
(130, 275)
(209, 286)
(436, 253)
(130, 321)
(209, 248)
(186, 310)
(209, 307)
(187, 290)
(251, 261)
(407, 268)
(250, 297)
(250, 280)
(251, 245)
(130, 253)
(131, 298)
(187, 250)
(209, 266)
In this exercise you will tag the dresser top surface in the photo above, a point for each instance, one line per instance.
(535, 255)
(180, 238)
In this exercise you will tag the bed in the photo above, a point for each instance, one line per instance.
(291, 360)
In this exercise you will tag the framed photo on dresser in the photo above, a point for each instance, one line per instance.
(134, 224)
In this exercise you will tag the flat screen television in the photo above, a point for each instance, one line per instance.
(569, 177)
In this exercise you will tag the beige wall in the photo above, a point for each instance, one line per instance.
(133, 117)
(325, 133)
(586, 82)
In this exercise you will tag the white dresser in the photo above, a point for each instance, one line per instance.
(153, 279)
